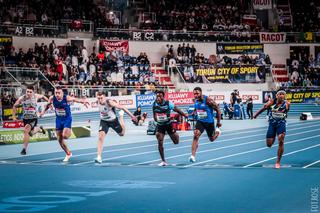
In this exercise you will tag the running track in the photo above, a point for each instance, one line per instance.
(233, 174)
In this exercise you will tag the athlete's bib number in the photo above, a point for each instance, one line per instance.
(278, 115)
(30, 111)
(202, 114)
(162, 117)
(105, 116)
(61, 112)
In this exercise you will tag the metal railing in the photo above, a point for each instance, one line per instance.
(90, 91)
(28, 76)
(36, 30)
(204, 36)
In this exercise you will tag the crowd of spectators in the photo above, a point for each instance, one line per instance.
(188, 15)
(51, 12)
(198, 15)
(187, 59)
(305, 16)
(70, 65)
(304, 70)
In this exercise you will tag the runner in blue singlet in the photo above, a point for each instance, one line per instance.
(61, 105)
(279, 108)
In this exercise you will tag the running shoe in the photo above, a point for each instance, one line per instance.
(98, 160)
(68, 156)
(163, 163)
(277, 166)
(192, 159)
(23, 151)
(43, 131)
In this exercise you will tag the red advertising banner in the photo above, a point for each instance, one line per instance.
(111, 45)
(180, 98)
(272, 37)
(12, 124)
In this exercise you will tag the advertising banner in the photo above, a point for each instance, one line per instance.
(303, 96)
(232, 74)
(238, 48)
(224, 96)
(111, 45)
(272, 37)
(180, 98)
(145, 100)
(295, 96)
(16, 136)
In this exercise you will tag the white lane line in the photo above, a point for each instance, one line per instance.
(298, 123)
(151, 145)
(223, 147)
(144, 146)
(251, 151)
(289, 153)
(311, 164)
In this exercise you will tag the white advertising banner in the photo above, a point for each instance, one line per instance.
(129, 101)
(268, 38)
(221, 96)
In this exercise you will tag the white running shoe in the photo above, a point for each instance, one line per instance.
(218, 131)
(66, 159)
(98, 160)
(192, 159)
(121, 113)
(163, 163)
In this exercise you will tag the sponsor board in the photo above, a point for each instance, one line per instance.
(180, 98)
(16, 136)
(221, 96)
(238, 48)
(12, 124)
(111, 45)
(145, 100)
(234, 73)
(272, 37)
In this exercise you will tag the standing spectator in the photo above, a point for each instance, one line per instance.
(250, 108)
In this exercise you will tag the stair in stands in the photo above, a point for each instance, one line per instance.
(162, 76)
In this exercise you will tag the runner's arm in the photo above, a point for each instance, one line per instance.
(14, 108)
(78, 100)
(119, 106)
(288, 106)
(266, 106)
(216, 108)
(42, 97)
(176, 109)
(50, 100)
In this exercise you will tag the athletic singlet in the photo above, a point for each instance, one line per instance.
(62, 108)
(107, 113)
(278, 113)
(29, 107)
(204, 113)
(162, 112)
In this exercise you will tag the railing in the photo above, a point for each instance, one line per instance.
(301, 88)
(175, 73)
(27, 76)
(205, 36)
(36, 30)
(90, 91)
